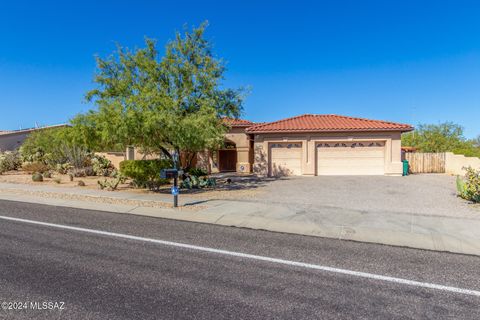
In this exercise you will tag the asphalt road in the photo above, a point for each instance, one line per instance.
(100, 276)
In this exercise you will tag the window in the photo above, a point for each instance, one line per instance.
(357, 144)
(375, 144)
(340, 145)
(285, 145)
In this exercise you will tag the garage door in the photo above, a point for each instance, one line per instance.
(351, 158)
(286, 159)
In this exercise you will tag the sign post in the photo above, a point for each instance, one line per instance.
(175, 181)
(173, 173)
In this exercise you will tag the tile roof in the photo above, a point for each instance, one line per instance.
(326, 123)
(237, 122)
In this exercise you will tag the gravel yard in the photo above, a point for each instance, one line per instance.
(246, 187)
(25, 178)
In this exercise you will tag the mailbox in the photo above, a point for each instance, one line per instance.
(169, 173)
(172, 174)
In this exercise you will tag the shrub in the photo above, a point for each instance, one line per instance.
(469, 187)
(78, 157)
(194, 182)
(10, 160)
(35, 167)
(80, 183)
(63, 168)
(111, 184)
(47, 174)
(197, 172)
(48, 146)
(469, 152)
(56, 146)
(145, 173)
(37, 177)
(57, 180)
(102, 166)
(82, 172)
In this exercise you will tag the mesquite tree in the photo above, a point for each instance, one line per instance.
(161, 103)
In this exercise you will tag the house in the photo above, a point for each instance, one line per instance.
(11, 140)
(310, 145)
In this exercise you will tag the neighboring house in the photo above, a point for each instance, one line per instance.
(310, 145)
(11, 140)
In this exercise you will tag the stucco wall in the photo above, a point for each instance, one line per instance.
(454, 163)
(242, 143)
(392, 140)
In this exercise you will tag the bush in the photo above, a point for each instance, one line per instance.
(56, 148)
(80, 183)
(197, 172)
(194, 182)
(102, 166)
(470, 152)
(35, 167)
(10, 160)
(469, 187)
(57, 180)
(145, 173)
(111, 184)
(82, 172)
(43, 146)
(63, 168)
(37, 177)
(78, 157)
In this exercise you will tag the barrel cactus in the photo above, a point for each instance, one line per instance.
(37, 177)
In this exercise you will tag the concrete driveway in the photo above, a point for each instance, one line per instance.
(428, 194)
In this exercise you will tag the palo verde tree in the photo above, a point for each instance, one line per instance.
(443, 137)
(174, 102)
(476, 142)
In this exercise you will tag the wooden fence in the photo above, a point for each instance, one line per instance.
(426, 162)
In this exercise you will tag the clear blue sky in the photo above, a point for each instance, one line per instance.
(406, 61)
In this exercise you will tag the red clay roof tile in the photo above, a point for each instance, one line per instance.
(326, 123)
(237, 122)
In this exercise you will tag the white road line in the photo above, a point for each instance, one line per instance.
(256, 257)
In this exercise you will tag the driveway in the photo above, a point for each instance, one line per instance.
(431, 194)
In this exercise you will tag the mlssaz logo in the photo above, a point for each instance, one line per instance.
(47, 305)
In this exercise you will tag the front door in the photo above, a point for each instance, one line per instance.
(227, 160)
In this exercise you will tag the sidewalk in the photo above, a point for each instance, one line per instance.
(460, 235)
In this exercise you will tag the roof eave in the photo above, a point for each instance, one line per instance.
(332, 131)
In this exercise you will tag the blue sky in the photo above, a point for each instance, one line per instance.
(405, 61)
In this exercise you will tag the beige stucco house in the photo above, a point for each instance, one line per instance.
(310, 145)
(237, 153)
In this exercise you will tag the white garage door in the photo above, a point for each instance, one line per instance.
(286, 159)
(350, 158)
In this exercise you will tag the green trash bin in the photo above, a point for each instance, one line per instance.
(405, 167)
